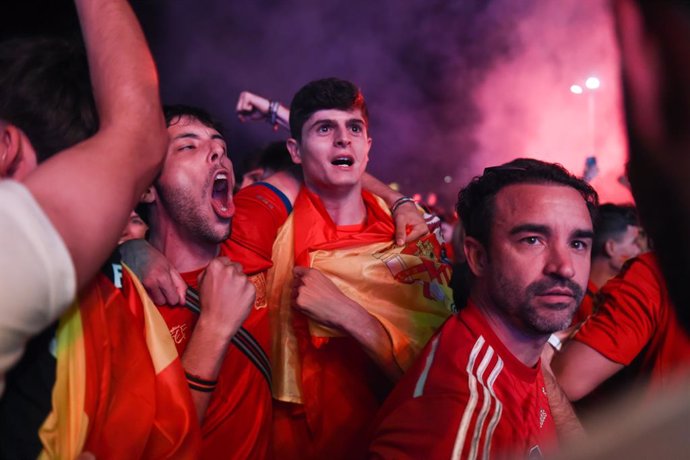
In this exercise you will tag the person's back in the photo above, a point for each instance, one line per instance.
(635, 327)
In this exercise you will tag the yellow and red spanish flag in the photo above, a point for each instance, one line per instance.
(406, 288)
(120, 390)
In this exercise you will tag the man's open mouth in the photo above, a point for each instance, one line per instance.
(343, 161)
(220, 196)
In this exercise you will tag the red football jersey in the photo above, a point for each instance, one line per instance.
(636, 324)
(238, 419)
(260, 210)
(467, 396)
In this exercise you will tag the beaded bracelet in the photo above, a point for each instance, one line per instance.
(273, 107)
(399, 202)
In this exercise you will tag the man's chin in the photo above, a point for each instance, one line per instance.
(553, 317)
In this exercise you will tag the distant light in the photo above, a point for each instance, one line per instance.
(447, 179)
(592, 83)
(417, 197)
(576, 89)
(431, 199)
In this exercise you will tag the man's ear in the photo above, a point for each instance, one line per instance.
(293, 148)
(610, 248)
(149, 196)
(11, 152)
(476, 256)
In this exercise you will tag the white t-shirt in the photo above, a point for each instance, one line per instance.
(37, 276)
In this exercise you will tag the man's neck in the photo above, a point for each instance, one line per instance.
(183, 252)
(601, 271)
(527, 348)
(344, 205)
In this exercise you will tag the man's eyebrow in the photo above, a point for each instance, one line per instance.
(583, 234)
(322, 121)
(186, 136)
(530, 228)
(196, 136)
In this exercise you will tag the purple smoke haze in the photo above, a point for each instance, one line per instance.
(452, 85)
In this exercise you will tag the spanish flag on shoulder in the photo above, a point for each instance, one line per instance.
(406, 288)
(120, 390)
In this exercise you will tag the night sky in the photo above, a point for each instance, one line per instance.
(452, 86)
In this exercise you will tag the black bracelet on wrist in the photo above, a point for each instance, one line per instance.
(197, 383)
(399, 202)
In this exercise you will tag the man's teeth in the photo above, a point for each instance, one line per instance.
(342, 161)
(222, 176)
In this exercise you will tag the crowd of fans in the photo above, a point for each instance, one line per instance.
(309, 311)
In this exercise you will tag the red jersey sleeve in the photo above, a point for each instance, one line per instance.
(628, 314)
(260, 210)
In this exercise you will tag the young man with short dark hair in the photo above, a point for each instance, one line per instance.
(221, 338)
(352, 309)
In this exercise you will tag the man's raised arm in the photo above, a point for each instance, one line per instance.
(88, 190)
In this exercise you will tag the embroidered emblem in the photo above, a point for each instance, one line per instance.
(259, 282)
(179, 333)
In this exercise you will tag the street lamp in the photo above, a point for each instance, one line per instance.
(591, 85)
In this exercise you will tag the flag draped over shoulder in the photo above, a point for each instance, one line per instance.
(405, 288)
(120, 391)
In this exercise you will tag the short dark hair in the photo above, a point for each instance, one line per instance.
(324, 94)
(611, 222)
(173, 113)
(476, 201)
(45, 91)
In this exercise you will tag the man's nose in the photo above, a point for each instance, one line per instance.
(560, 262)
(342, 138)
(215, 153)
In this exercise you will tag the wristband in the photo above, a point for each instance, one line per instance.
(199, 384)
(273, 107)
(399, 202)
(555, 342)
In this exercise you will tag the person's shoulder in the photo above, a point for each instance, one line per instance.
(261, 199)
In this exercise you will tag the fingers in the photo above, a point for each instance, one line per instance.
(243, 102)
(222, 262)
(157, 296)
(415, 232)
(180, 286)
(251, 106)
(409, 224)
(166, 288)
(170, 292)
(400, 234)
